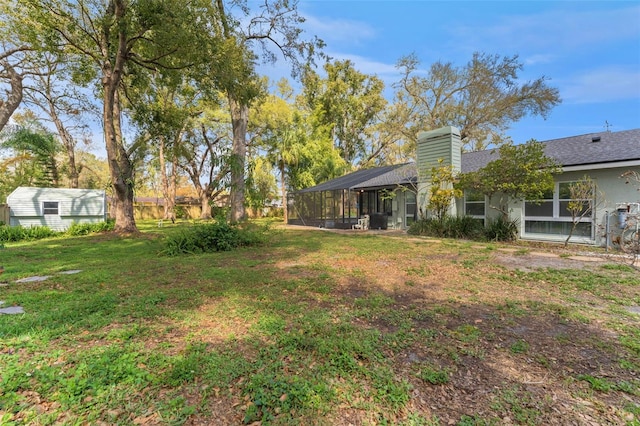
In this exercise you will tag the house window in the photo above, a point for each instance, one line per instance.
(410, 207)
(551, 216)
(50, 207)
(474, 204)
(384, 203)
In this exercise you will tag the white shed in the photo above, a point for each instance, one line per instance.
(56, 208)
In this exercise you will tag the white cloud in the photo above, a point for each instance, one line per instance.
(537, 59)
(339, 30)
(602, 85)
(368, 66)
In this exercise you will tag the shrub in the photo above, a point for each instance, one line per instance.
(501, 229)
(19, 233)
(90, 228)
(215, 236)
(448, 227)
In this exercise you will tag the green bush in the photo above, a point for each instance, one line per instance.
(501, 229)
(90, 228)
(19, 233)
(449, 227)
(466, 227)
(215, 236)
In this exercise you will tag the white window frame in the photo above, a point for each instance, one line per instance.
(50, 210)
(556, 216)
(410, 218)
(483, 202)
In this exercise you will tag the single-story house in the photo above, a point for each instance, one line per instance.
(56, 208)
(399, 194)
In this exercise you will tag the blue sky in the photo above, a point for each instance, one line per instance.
(590, 50)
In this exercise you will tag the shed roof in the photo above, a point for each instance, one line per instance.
(54, 193)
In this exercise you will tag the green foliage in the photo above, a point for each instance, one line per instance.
(597, 383)
(214, 236)
(36, 146)
(463, 227)
(18, 233)
(519, 347)
(442, 192)
(501, 229)
(520, 172)
(434, 376)
(261, 184)
(90, 228)
(450, 95)
(348, 103)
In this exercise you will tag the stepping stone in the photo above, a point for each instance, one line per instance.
(33, 279)
(586, 258)
(73, 271)
(634, 309)
(12, 310)
(542, 254)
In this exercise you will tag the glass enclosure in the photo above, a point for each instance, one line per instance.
(335, 209)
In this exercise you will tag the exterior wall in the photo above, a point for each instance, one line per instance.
(74, 206)
(610, 190)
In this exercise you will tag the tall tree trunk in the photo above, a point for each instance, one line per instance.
(173, 185)
(239, 121)
(120, 167)
(167, 185)
(8, 106)
(204, 204)
(283, 189)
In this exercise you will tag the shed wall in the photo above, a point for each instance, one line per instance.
(74, 206)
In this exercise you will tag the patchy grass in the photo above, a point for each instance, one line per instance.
(313, 327)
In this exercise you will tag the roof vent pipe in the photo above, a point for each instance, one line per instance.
(595, 139)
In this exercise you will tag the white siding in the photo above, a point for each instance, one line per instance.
(74, 206)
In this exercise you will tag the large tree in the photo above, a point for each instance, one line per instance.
(204, 156)
(295, 142)
(61, 104)
(112, 39)
(11, 81)
(482, 98)
(270, 31)
(350, 103)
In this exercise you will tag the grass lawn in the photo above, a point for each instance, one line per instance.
(318, 328)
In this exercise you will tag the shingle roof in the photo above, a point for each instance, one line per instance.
(351, 180)
(575, 150)
(404, 174)
(611, 147)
